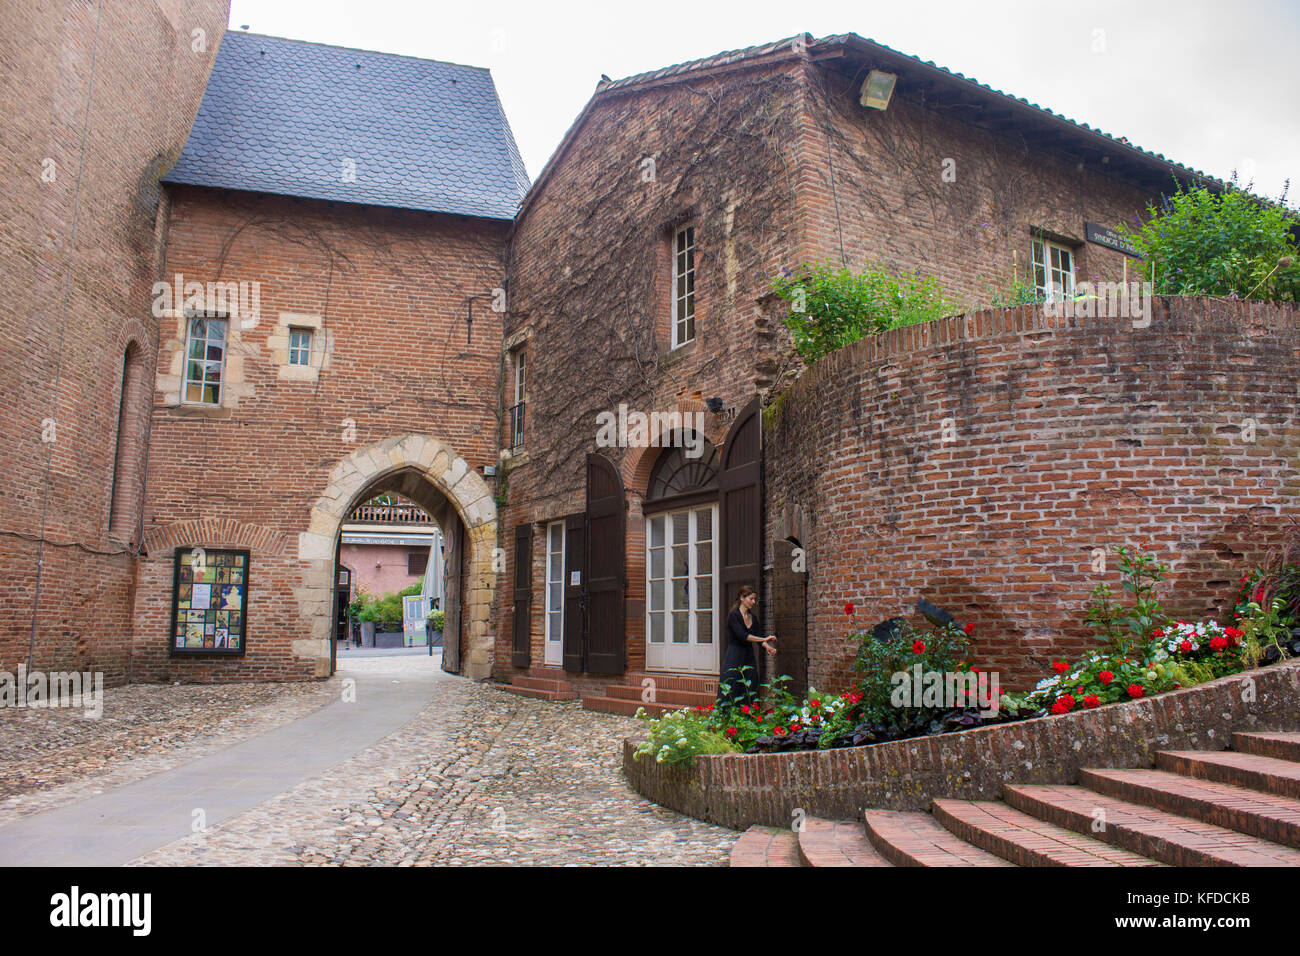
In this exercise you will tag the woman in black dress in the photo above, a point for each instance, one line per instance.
(742, 634)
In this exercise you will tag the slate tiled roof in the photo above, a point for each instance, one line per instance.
(284, 116)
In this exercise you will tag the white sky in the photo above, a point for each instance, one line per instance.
(1213, 85)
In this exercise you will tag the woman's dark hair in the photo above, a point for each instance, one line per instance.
(744, 592)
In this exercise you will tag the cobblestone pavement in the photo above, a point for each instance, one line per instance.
(480, 776)
(50, 757)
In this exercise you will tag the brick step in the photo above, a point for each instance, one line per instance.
(766, 846)
(537, 693)
(1279, 746)
(1024, 840)
(1265, 774)
(836, 843)
(911, 838)
(1146, 831)
(1263, 815)
(699, 685)
(679, 698)
(543, 683)
(617, 705)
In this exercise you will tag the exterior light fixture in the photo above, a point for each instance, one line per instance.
(714, 404)
(877, 89)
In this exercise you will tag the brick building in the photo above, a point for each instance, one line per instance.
(98, 100)
(316, 292)
(651, 291)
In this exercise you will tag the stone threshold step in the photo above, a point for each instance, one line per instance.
(537, 694)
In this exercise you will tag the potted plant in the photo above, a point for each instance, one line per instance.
(434, 625)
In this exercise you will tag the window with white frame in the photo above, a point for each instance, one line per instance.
(517, 410)
(299, 346)
(554, 592)
(205, 357)
(1053, 270)
(683, 286)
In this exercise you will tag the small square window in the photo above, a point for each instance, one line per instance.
(299, 346)
(417, 561)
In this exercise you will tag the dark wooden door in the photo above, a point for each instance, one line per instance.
(519, 651)
(790, 614)
(606, 567)
(575, 592)
(740, 494)
(453, 571)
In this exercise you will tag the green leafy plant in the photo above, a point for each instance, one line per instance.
(1127, 626)
(834, 307)
(680, 736)
(1229, 244)
(437, 619)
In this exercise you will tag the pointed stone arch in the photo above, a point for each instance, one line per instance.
(407, 462)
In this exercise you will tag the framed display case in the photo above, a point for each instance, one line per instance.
(209, 602)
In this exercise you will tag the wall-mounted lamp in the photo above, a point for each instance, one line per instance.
(877, 89)
(714, 405)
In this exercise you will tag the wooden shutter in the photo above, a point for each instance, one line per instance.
(606, 551)
(520, 656)
(575, 595)
(740, 493)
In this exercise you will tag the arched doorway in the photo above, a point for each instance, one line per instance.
(683, 626)
(429, 473)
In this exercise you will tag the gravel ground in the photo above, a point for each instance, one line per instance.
(52, 756)
(479, 777)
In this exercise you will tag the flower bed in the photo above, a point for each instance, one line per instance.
(920, 683)
(739, 790)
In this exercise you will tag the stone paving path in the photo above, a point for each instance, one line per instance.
(476, 776)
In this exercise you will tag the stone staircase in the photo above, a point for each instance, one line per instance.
(669, 692)
(1194, 808)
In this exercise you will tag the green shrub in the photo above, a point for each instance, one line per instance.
(1228, 245)
(831, 308)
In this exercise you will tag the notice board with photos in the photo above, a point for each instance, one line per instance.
(209, 602)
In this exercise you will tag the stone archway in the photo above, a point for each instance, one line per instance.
(419, 459)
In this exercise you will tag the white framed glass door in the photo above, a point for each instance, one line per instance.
(554, 594)
(681, 590)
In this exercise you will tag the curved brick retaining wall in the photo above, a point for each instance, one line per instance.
(1064, 435)
(740, 790)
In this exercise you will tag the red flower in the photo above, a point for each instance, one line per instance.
(816, 703)
(1135, 691)
(1106, 677)
(1060, 667)
(1092, 700)
(1218, 643)
(1158, 632)
(848, 608)
(918, 647)
(969, 628)
(1185, 647)
(744, 708)
(1064, 704)
(1235, 633)
(779, 731)
(731, 731)
(795, 728)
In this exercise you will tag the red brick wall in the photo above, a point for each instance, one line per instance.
(107, 92)
(874, 181)
(1071, 435)
(392, 287)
